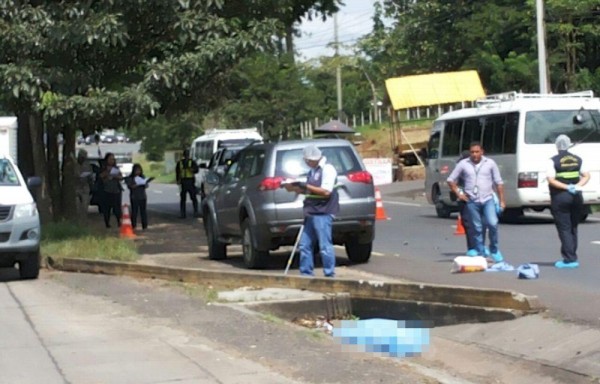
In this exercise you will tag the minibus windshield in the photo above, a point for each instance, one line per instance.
(543, 127)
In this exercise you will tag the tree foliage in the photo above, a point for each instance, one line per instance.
(85, 65)
(497, 38)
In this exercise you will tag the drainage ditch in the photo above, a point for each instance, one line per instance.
(342, 306)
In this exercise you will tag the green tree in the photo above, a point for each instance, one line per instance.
(271, 95)
(573, 38)
(498, 38)
(174, 132)
(84, 65)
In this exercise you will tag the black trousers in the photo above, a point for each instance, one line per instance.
(567, 210)
(187, 187)
(112, 202)
(139, 206)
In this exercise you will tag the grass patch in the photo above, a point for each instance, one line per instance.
(208, 293)
(272, 318)
(154, 169)
(70, 240)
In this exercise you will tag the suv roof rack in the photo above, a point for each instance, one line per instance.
(514, 95)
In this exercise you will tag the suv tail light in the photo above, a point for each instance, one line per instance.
(270, 183)
(528, 180)
(360, 177)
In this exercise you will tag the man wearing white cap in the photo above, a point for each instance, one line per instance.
(320, 205)
(566, 175)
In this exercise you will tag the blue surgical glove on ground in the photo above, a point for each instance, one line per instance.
(572, 190)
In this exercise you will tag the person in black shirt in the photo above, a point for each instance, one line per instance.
(137, 184)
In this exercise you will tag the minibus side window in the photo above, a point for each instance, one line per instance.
(500, 133)
(433, 148)
(493, 134)
(511, 129)
(452, 135)
(471, 133)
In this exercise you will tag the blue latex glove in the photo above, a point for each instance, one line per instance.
(572, 190)
(497, 204)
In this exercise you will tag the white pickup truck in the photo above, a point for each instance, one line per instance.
(19, 219)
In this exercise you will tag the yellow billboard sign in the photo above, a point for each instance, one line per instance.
(434, 89)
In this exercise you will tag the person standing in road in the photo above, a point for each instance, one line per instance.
(113, 192)
(184, 171)
(137, 184)
(84, 179)
(464, 213)
(321, 203)
(566, 175)
(480, 175)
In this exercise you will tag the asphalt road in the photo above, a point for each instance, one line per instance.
(420, 246)
(417, 245)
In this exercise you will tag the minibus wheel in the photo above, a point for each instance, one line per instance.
(441, 209)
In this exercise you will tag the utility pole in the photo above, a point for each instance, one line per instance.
(338, 69)
(541, 42)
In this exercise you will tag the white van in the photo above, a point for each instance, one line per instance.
(19, 221)
(518, 131)
(206, 145)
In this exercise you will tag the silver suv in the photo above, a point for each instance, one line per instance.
(248, 205)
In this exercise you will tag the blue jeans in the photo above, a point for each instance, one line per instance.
(317, 229)
(480, 212)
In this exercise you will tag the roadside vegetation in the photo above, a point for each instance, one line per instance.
(69, 240)
(217, 64)
(154, 169)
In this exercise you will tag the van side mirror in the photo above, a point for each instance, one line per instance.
(213, 178)
(34, 182)
(220, 170)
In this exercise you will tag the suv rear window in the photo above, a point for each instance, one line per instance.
(290, 162)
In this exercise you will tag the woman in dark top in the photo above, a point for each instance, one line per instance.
(111, 181)
(137, 184)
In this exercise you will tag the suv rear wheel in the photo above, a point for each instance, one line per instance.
(30, 267)
(216, 249)
(253, 258)
(358, 253)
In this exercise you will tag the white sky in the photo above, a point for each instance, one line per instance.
(354, 21)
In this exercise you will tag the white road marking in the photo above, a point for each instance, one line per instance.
(596, 242)
(155, 191)
(402, 203)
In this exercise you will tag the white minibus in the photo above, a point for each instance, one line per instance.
(518, 131)
(203, 147)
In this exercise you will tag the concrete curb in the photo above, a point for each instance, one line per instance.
(490, 298)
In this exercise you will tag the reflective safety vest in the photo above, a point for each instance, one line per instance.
(186, 169)
(568, 167)
(317, 204)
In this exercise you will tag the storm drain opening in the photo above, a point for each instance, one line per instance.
(341, 306)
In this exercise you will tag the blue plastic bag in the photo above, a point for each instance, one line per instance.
(528, 271)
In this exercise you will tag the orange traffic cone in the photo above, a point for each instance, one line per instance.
(460, 229)
(379, 212)
(126, 228)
